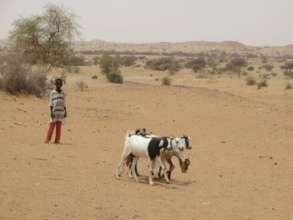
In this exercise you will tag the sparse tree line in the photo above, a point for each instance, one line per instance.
(41, 42)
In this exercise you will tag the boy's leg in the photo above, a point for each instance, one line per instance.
(50, 131)
(58, 132)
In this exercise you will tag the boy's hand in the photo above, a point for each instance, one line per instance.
(65, 115)
(52, 115)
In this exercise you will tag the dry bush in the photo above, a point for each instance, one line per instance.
(109, 64)
(19, 78)
(288, 66)
(127, 60)
(289, 86)
(250, 68)
(235, 64)
(268, 67)
(166, 81)
(94, 77)
(196, 64)
(250, 81)
(81, 85)
(164, 64)
(288, 73)
(274, 74)
(261, 84)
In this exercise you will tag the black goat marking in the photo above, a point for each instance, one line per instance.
(129, 161)
(186, 141)
(155, 147)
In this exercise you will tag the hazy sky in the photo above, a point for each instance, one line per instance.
(254, 22)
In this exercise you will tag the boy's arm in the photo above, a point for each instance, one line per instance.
(51, 112)
(51, 106)
(65, 114)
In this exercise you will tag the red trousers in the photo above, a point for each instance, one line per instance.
(52, 126)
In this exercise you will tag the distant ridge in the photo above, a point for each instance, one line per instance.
(184, 47)
(177, 47)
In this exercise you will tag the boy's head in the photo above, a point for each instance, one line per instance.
(58, 83)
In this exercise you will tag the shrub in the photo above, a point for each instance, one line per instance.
(288, 66)
(94, 77)
(163, 64)
(81, 85)
(115, 77)
(268, 67)
(288, 73)
(261, 84)
(196, 64)
(250, 81)
(236, 64)
(76, 60)
(289, 86)
(274, 74)
(109, 64)
(166, 81)
(250, 68)
(19, 78)
(127, 60)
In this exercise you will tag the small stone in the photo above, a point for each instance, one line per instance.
(18, 123)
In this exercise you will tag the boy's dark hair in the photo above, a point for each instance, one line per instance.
(58, 81)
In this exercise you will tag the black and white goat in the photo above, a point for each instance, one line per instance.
(166, 156)
(138, 146)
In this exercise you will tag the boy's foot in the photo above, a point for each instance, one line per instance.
(56, 142)
(47, 142)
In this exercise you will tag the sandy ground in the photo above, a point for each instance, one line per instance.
(241, 167)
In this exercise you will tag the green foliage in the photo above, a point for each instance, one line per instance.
(109, 64)
(45, 38)
(115, 77)
(110, 67)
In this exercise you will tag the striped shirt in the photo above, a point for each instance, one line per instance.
(57, 102)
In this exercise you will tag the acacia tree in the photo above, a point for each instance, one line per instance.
(46, 39)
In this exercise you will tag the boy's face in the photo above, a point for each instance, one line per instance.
(58, 84)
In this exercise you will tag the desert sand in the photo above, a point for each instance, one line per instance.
(241, 161)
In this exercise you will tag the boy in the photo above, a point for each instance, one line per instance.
(58, 111)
